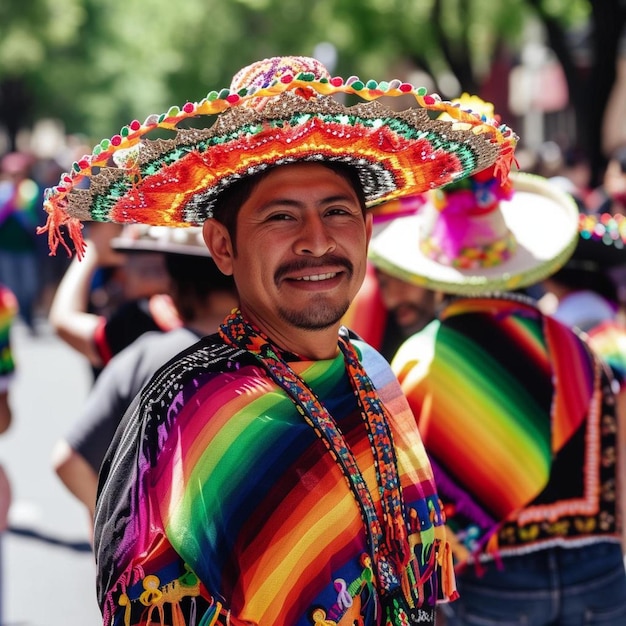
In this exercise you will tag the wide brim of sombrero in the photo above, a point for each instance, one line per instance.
(141, 238)
(139, 176)
(543, 219)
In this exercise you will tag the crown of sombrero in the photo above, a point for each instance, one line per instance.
(478, 236)
(277, 111)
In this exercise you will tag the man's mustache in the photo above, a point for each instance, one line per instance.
(313, 263)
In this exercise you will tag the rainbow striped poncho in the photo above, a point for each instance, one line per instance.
(518, 418)
(220, 505)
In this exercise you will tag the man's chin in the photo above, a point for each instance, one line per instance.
(314, 318)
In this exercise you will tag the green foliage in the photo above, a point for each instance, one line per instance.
(98, 65)
(29, 30)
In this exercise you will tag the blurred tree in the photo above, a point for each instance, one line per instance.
(28, 32)
(97, 65)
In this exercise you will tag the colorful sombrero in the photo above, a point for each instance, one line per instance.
(277, 111)
(146, 238)
(479, 235)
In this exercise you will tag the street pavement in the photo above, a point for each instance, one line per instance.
(47, 572)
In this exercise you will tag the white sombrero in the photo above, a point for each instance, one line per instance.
(478, 236)
(145, 238)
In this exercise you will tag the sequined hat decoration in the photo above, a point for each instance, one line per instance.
(277, 111)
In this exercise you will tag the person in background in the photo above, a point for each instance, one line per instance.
(610, 197)
(9, 309)
(585, 292)
(588, 294)
(19, 198)
(273, 472)
(515, 409)
(388, 310)
(202, 296)
(144, 306)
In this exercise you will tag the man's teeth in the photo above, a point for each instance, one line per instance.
(319, 276)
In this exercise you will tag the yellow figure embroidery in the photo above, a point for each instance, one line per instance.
(319, 618)
(156, 597)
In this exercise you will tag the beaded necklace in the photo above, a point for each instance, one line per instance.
(388, 540)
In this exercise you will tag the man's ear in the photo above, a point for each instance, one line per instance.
(217, 240)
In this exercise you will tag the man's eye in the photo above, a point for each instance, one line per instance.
(337, 210)
(277, 217)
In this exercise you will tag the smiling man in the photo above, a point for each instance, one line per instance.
(301, 252)
(272, 474)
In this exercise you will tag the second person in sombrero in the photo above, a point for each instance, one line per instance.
(516, 411)
(273, 473)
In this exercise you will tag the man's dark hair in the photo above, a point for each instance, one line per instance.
(194, 278)
(229, 201)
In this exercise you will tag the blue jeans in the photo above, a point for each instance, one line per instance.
(552, 587)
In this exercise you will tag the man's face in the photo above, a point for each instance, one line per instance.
(301, 249)
(411, 306)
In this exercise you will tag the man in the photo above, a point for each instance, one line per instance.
(201, 295)
(585, 291)
(273, 474)
(516, 411)
(388, 309)
(143, 304)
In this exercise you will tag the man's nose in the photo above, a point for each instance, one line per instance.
(315, 238)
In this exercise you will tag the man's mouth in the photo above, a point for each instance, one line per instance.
(316, 277)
